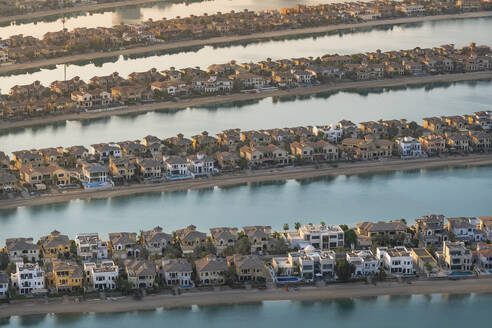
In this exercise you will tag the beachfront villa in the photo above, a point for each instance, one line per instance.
(4, 285)
(101, 275)
(455, 256)
(320, 236)
(124, 245)
(397, 261)
(211, 270)
(28, 279)
(247, 267)
(66, 276)
(141, 273)
(176, 272)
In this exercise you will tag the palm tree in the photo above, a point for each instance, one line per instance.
(323, 223)
(297, 225)
(286, 226)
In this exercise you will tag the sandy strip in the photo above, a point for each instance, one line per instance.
(228, 39)
(203, 101)
(260, 176)
(85, 8)
(336, 291)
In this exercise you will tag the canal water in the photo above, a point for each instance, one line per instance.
(334, 200)
(426, 311)
(412, 103)
(428, 34)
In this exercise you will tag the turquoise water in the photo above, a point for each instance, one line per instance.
(450, 311)
(343, 199)
(429, 34)
(411, 103)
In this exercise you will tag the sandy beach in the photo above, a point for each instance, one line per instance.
(280, 174)
(227, 39)
(233, 297)
(204, 101)
(84, 8)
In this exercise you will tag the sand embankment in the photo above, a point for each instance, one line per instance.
(302, 172)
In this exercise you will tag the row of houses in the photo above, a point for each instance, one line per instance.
(103, 92)
(155, 160)
(21, 48)
(57, 264)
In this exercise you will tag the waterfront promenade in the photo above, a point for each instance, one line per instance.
(183, 45)
(225, 180)
(230, 297)
(211, 100)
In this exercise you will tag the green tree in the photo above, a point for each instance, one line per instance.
(350, 238)
(173, 251)
(280, 246)
(344, 227)
(344, 270)
(297, 225)
(4, 260)
(286, 226)
(323, 223)
(243, 246)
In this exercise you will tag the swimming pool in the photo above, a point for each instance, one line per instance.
(460, 274)
(287, 279)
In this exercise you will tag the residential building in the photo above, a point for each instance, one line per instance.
(94, 173)
(456, 257)
(54, 245)
(433, 144)
(409, 147)
(21, 249)
(150, 169)
(66, 276)
(322, 237)
(141, 273)
(365, 263)
(156, 241)
(308, 263)
(485, 225)
(121, 169)
(464, 228)
(247, 267)
(330, 132)
(101, 275)
(391, 229)
(259, 237)
(423, 261)
(199, 164)
(398, 261)
(368, 148)
(260, 155)
(430, 230)
(4, 285)
(124, 245)
(223, 237)
(177, 272)
(90, 246)
(484, 253)
(176, 166)
(314, 151)
(28, 278)
(189, 239)
(210, 270)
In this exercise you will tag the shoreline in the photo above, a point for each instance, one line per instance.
(203, 101)
(69, 10)
(235, 297)
(266, 175)
(227, 39)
